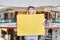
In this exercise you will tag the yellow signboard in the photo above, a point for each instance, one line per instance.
(30, 25)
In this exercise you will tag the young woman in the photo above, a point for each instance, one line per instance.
(31, 10)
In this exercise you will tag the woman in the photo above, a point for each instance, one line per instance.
(31, 10)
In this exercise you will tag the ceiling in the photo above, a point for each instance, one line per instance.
(26, 3)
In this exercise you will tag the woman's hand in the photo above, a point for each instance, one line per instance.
(44, 24)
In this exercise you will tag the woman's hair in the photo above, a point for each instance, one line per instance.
(31, 7)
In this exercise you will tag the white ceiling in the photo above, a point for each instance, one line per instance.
(26, 3)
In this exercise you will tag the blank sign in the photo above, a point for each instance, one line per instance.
(30, 25)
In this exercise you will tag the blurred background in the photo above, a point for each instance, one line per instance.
(10, 8)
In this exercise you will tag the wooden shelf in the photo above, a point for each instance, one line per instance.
(45, 27)
(52, 27)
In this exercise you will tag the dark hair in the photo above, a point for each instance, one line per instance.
(31, 7)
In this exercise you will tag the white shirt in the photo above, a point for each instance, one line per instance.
(31, 37)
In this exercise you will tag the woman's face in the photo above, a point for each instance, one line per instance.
(31, 10)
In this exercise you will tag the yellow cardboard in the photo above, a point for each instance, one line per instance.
(30, 25)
